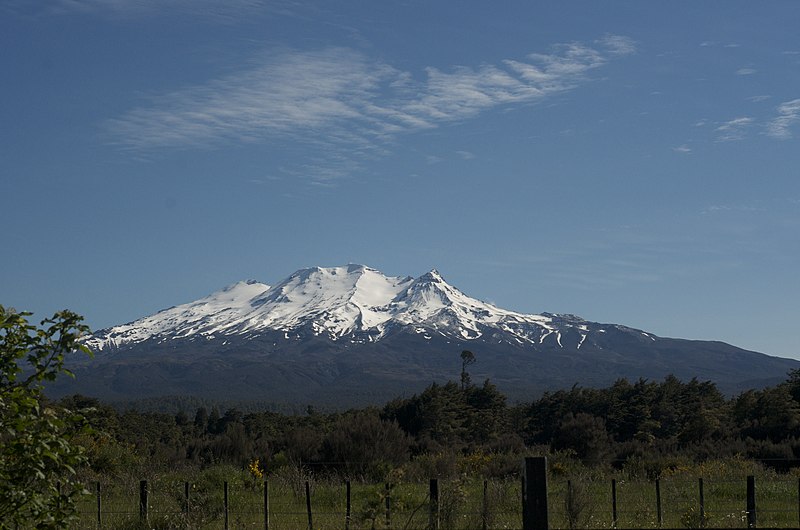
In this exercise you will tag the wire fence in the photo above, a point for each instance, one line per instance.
(317, 505)
(453, 504)
(674, 503)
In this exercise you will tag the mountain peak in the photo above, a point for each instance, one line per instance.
(356, 267)
(353, 302)
(432, 275)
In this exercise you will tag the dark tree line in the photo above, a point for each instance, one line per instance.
(645, 420)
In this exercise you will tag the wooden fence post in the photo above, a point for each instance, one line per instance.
(534, 494)
(347, 508)
(613, 503)
(388, 505)
(225, 502)
(143, 501)
(186, 491)
(659, 515)
(433, 523)
(702, 502)
(266, 504)
(569, 503)
(308, 506)
(99, 507)
(751, 501)
(485, 507)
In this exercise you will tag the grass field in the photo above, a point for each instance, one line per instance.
(464, 503)
(461, 505)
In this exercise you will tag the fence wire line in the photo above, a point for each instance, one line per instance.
(724, 499)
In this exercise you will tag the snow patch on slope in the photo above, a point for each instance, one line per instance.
(354, 302)
(339, 300)
(201, 316)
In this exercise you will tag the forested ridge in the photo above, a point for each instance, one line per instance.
(656, 424)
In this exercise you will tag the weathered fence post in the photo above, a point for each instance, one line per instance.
(433, 519)
(143, 501)
(570, 505)
(347, 508)
(702, 502)
(751, 501)
(308, 506)
(266, 504)
(613, 503)
(388, 505)
(534, 494)
(659, 515)
(99, 508)
(485, 507)
(186, 491)
(225, 501)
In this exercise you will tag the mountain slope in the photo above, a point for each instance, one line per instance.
(353, 303)
(352, 335)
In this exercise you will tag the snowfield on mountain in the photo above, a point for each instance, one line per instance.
(343, 303)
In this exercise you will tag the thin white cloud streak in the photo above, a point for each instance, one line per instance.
(722, 208)
(746, 71)
(618, 44)
(294, 94)
(733, 130)
(339, 97)
(779, 127)
(789, 114)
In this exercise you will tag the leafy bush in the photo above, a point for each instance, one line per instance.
(38, 456)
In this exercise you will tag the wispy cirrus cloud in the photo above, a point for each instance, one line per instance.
(723, 208)
(618, 44)
(291, 94)
(788, 114)
(779, 127)
(733, 130)
(338, 97)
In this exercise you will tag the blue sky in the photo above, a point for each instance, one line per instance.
(629, 162)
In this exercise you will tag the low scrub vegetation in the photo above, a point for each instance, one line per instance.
(647, 427)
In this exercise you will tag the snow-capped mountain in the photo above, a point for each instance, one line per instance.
(352, 335)
(354, 303)
(184, 320)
